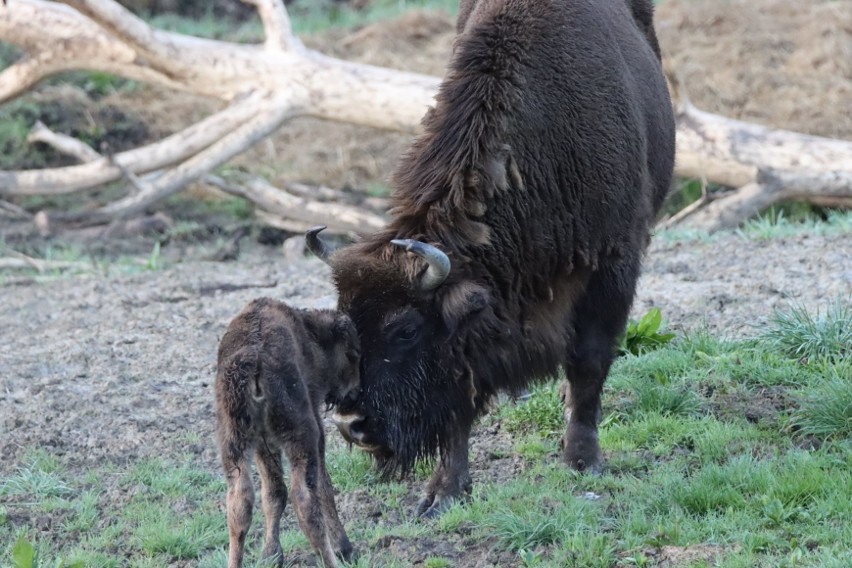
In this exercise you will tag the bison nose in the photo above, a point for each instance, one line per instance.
(351, 426)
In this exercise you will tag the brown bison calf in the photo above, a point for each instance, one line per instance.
(276, 367)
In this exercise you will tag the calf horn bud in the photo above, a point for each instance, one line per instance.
(439, 263)
(316, 245)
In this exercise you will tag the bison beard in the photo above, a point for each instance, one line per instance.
(539, 172)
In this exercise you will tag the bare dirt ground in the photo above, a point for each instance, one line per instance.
(118, 368)
(99, 369)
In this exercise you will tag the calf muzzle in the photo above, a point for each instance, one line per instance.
(351, 427)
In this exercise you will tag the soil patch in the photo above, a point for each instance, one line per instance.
(779, 63)
(115, 369)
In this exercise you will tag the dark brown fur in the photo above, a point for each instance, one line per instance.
(539, 172)
(277, 366)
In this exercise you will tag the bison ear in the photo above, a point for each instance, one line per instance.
(462, 300)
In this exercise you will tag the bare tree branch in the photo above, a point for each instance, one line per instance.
(20, 260)
(169, 151)
(154, 45)
(770, 187)
(730, 152)
(337, 216)
(65, 144)
(12, 211)
(276, 25)
(268, 120)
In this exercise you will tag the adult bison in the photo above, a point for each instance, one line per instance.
(520, 220)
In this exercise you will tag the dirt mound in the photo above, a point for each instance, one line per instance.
(419, 41)
(775, 62)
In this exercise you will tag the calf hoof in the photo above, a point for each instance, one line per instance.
(273, 556)
(580, 448)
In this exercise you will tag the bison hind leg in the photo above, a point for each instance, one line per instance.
(599, 318)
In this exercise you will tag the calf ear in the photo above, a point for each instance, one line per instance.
(343, 330)
(462, 300)
(343, 327)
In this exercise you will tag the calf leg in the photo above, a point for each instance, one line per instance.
(337, 534)
(599, 318)
(451, 479)
(239, 502)
(306, 491)
(273, 498)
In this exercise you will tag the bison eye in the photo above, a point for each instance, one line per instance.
(407, 334)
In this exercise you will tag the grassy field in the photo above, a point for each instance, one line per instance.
(740, 447)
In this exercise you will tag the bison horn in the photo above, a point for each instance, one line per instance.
(439, 263)
(316, 245)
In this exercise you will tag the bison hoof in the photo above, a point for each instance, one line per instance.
(581, 450)
(433, 507)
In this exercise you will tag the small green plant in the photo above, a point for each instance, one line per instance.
(644, 336)
(524, 532)
(529, 557)
(826, 411)
(436, 562)
(24, 555)
(800, 335)
(154, 262)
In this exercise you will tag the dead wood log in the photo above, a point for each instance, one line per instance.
(771, 186)
(767, 165)
(293, 203)
(17, 260)
(264, 85)
(304, 212)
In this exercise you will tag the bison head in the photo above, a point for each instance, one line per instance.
(414, 313)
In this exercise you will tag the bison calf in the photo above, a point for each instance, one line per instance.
(276, 367)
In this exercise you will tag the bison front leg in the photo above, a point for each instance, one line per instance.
(599, 318)
(451, 479)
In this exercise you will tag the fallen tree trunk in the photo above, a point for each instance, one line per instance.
(771, 186)
(265, 85)
(767, 165)
(294, 208)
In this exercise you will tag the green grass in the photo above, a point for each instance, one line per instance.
(314, 17)
(83, 261)
(772, 224)
(798, 333)
(744, 445)
(306, 18)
